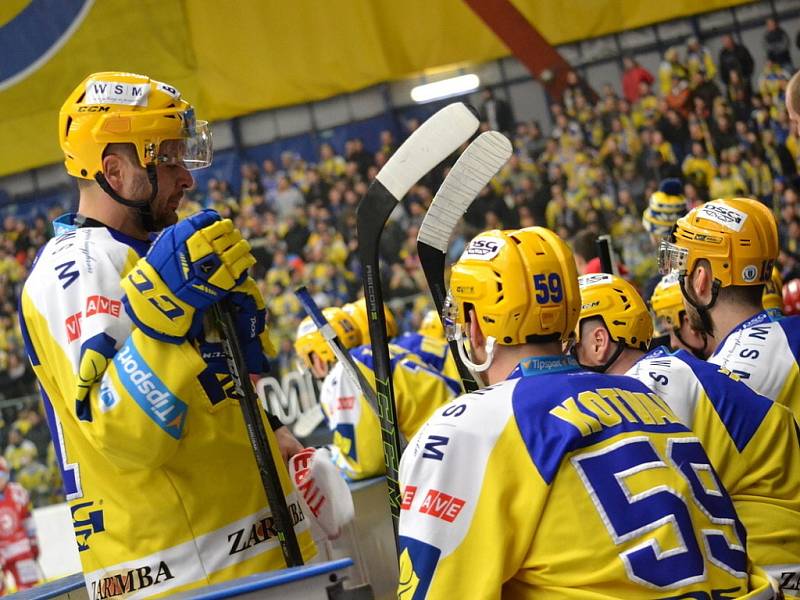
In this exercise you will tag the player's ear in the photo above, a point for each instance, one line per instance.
(475, 334)
(114, 167)
(600, 342)
(701, 280)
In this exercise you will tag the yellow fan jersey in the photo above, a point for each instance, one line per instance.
(740, 431)
(434, 351)
(418, 391)
(764, 354)
(155, 458)
(564, 484)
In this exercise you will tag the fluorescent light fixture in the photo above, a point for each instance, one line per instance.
(453, 86)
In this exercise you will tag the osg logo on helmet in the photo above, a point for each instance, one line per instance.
(484, 248)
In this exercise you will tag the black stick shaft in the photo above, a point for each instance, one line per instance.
(372, 213)
(251, 410)
(604, 252)
(432, 261)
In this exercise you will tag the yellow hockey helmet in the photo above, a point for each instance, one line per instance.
(113, 107)
(522, 284)
(738, 236)
(619, 305)
(772, 299)
(431, 325)
(358, 313)
(310, 339)
(667, 301)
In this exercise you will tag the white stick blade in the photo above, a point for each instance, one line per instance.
(475, 168)
(429, 145)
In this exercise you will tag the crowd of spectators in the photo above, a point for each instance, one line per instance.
(711, 121)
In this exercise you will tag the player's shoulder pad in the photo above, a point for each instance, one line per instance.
(740, 408)
(560, 413)
(89, 252)
(762, 355)
(791, 328)
(476, 418)
(674, 379)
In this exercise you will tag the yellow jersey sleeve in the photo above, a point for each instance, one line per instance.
(357, 445)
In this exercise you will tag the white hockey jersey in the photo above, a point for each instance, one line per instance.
(765, 355)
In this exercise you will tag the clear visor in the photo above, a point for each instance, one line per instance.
(191, 152)
(450, 317)
(671, 258)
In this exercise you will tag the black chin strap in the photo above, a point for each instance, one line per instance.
(698, 352)
(144, 207)
(604, 367)
(705, 317)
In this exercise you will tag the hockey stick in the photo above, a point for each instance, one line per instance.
(429, 145)
(342, 354)
(254, 422)
(482, 159)
(606, 254)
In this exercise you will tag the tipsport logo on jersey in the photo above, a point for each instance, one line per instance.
(150, 392)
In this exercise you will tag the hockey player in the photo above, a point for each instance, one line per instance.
(430, 345)
(158, 472)
(418, 389)
(19, 546)
(724, 251)
(555, 482)
(358, 315)
(739, 429)
(667, 304)
(772, 299)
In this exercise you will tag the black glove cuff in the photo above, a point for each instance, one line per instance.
(274, 422)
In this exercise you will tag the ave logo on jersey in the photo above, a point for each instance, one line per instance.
(484, 248)
(95, 305)
(436, 504)
(727, 216)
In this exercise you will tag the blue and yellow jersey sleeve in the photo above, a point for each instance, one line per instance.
(418, 389)
(753, 444)
(765, 355)
(433, 351)
(566, 486)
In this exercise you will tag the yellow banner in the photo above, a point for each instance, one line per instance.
(236, 57)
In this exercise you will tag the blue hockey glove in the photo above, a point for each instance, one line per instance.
(250, 319)
(189, 267)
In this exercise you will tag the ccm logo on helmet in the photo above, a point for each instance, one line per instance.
(94, 108)
(484, 248)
